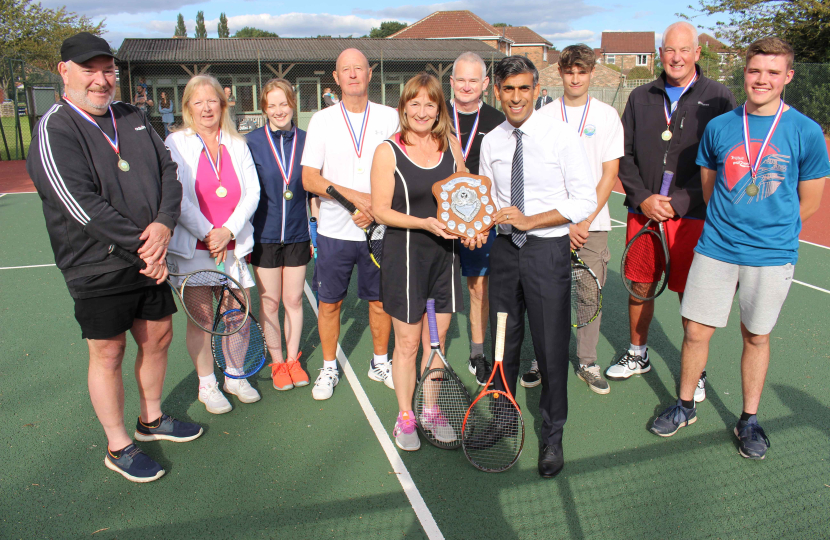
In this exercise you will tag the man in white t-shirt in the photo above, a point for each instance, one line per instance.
(339, 147)
(601, 132)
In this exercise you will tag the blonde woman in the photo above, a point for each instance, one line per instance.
(281, 234)
(220, 194)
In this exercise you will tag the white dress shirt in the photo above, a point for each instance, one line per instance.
(557, 173)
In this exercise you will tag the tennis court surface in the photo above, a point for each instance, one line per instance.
(292, 467)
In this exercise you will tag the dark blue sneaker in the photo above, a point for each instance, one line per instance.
(169, 429)
(134, 465)
(754, 442)
(672, 419)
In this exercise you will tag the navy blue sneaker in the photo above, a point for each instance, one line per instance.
(134, 465)
(169, 429)
(672, 419)
(754, 442)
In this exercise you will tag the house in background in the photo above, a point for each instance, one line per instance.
(725, 54)
(467, 25)
(628, 50)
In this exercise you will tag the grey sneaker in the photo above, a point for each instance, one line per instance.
(593, 378)
(532, 378)
(753, 439)
(405, 432)
(672, 419)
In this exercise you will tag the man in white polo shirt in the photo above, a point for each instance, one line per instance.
(339, 148)
(601, 132)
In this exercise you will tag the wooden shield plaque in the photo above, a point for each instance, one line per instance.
(465, 204)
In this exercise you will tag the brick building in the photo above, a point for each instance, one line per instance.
(628, 50)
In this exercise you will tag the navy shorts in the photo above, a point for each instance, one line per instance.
(476, 262)
(335, 261)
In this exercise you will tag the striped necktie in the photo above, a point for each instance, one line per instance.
(517, 188)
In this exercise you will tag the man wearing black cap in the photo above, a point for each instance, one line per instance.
(105, 177)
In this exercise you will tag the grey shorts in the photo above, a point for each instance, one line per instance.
(711, 286)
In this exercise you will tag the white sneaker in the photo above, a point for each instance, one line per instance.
(325, 383)
(627, 365)
(242, 389)
(381, 372)
(434, 421)
(405, 433)
(700, 391)
(214, 400)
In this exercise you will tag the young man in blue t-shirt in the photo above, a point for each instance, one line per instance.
(762, 171)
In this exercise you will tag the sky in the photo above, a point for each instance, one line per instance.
(563, 22)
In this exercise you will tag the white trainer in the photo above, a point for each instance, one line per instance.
(627, 365)
(700, 391)
(214, 400)
(242, 389)
(325, 383)
(381, 372)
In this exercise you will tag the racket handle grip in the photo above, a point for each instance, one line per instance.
(666, 183)
(434, 341)
(122, 253)
(501, 325)
(332, 192)
(312, 229)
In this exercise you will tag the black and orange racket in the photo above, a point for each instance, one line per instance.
(493, 432)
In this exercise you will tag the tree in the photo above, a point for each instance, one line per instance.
(201, 30)
(639, 73)
(250, 32)
(805, 24)
(181, 29)
(387, 28)
(222, 28)
(500, 25)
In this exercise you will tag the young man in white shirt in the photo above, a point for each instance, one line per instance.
(542, 182)
(601, 132)
(339, 148)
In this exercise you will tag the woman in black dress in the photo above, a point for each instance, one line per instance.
(420, 260)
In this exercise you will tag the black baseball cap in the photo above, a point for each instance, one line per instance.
(83, 46)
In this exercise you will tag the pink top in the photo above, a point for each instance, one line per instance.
(217, 209)
(400, 143)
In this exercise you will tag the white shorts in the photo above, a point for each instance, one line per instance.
(711, 286)
(202, 260)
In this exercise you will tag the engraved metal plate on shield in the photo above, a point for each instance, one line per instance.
(465, 204)
(451, 224)
(489, 208)
(461, 227)
(445, 216)
(470, 232)
(487, 220)
(477, 225)
(445, 195)
(482, 189)
(485, 199)
(445, 205)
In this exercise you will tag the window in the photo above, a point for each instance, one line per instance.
(642, 59)
(544, 53)
(722, 58)
(610, 59)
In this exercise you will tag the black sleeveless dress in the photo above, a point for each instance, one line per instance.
(417, 264)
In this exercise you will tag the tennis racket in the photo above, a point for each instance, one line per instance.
(493, 432)
(205, 296)
(312, 229)
(374, 233)
(645, 261)
(242, 353)
(586, 293)
(441, 400)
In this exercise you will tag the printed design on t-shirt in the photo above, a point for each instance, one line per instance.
(590, 130)
(771, 172)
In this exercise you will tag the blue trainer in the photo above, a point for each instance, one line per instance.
(134, 465)
(672, 419)
(169, 429)
(754, 442)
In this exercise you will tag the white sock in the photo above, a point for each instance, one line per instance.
(207, 381)
(330, 364)
(381, 359)
(234, 371)
(638, 350)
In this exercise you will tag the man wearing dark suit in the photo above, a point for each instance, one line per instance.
(543, 100)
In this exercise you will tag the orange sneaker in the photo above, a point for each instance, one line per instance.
(298, 375)
(282, 380)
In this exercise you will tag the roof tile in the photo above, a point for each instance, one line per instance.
(627, 42)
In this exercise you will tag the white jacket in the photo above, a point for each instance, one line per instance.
(185, 147)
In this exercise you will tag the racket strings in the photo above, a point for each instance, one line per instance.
(207, 294)
(241, 354)
(494, 433)
(644, 265)
(441, 402)
(376, 235)
(585, 296)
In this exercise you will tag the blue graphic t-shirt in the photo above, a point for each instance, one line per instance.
(761, 230)
(674, 93)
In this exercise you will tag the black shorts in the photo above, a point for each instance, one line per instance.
(104, 317)
(279, 255)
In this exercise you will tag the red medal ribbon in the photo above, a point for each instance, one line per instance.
(469, 146)
(356, 141)
(753, 167)
(281, 162)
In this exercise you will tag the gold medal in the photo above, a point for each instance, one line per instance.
(123, 165)
(221, 192)
(752, 190)
(288, 194)
(666, 135)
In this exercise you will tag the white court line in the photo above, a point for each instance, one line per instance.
(19, 193)
(811, 286)
(30, 266)
(412, 493)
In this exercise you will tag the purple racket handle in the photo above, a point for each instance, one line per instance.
(433, 324)
(664, 187)
(312, 227)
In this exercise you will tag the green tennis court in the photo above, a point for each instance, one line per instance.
(292, 467)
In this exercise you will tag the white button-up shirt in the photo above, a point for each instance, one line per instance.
(557, 174)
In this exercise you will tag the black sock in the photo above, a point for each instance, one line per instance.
(688, 404)
(116, 453)
(745, 416)
(154, 424)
